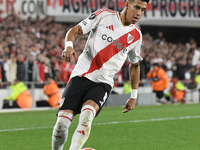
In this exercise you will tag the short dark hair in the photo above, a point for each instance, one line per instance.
(141, 0)
(155, 64)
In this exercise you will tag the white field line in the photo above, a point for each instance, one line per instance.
(108, 123)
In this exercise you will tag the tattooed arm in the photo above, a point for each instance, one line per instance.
(69, 54)
(134, 73)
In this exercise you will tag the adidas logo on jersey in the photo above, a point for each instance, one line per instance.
(110, 27)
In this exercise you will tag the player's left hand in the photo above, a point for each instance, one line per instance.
(130, 104)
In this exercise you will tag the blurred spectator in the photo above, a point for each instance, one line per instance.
(144, 67)
(52, 91)
(20, 67)
(160, 40)
(127, 87)
(31, 70)
(181, 68)
(163, 64)
(57, 76)
(44, 39)
(159, 81)
(197, 80)
(177, 91)
(119, 78)
(192, 78)
(2, 75)
(5, 61)
(53, 68)
(13, 68)
(66, 70)
(41, 66)
(47, 68)
(195, 58)
(172, 73)
(58, 68)
(19, 98)
(35, 51)
(170, 62)
(147, 64)
(1, 19)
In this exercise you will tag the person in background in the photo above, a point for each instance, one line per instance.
(53, 68)
(1, 19)
(159, 81)
(2, 75)
(41, 68)
(66, 70)
(31, 70)
(20, 96)
(47, 67)
(177, 92)
(20, 67)
(13, 68)
(127, 87)
(172, 73)
(160, 40)
(52, 91)
(5, 61)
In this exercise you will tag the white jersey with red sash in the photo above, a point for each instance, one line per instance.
(108, 45)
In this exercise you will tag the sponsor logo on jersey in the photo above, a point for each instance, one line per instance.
(130, 38)
(114, 42)
(92, 16)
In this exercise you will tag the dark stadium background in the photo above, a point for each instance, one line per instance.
(173, 34)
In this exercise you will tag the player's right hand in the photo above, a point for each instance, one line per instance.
(130, 104)
(69, 54)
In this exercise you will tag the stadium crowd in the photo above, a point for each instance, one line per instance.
(31, 49)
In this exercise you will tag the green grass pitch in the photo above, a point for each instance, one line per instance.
(164, 127)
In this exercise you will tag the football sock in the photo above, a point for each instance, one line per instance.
(82, 132)
(60, 131)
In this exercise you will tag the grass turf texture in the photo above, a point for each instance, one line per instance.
(119, 133)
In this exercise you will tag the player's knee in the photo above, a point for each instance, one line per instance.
(87, 114)
(64, 121)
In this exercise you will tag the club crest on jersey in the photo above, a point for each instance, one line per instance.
(130, 38)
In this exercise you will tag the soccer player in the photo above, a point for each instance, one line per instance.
(113, 37)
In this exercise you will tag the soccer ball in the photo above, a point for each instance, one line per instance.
(88, 149)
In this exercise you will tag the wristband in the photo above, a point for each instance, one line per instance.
(134, 93)
(68, 43)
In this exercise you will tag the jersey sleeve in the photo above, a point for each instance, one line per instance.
(134, 54)
(91, 21)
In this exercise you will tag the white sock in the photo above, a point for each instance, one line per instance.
(82, 132)
(60, 131)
